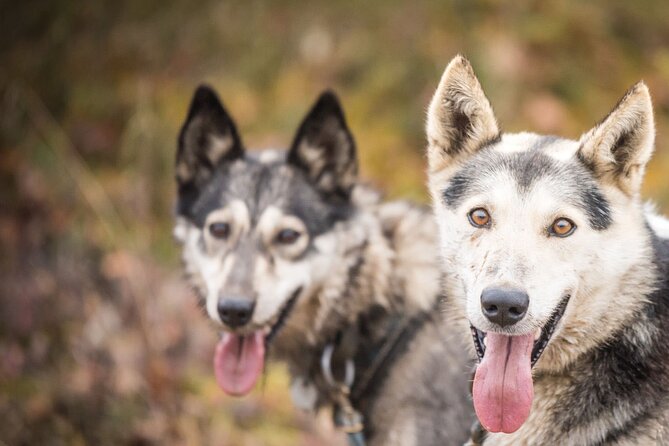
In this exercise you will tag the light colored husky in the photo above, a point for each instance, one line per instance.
(292, 257)
(553, 264)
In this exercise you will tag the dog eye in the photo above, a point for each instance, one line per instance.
(479, 218)
(287, 236)
(562, 227)
(219, 230)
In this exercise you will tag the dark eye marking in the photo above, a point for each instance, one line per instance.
(456, 190)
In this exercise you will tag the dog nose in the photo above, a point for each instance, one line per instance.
(235, 312)
(504, 306)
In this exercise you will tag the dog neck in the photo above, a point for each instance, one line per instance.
(377, 292)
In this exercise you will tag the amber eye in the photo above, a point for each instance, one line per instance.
(219, 230)
(562, 227)
(479, 218)
(287, 236)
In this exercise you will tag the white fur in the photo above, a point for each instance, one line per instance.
(607, 272)
(516, 251)
(275, 281)
(659, 223)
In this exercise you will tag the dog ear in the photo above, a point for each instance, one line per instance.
(207, 139)
(460, 119)
(324, 148)
(619, 148)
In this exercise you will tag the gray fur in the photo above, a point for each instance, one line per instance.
(259, 185)
(571, 180)
(603, 376)
(366, 266)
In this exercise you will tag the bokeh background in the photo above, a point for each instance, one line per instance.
(101, 341)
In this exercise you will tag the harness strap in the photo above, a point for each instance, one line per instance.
(398, 329)
(349, 419)
(400, 333)
(346, 416)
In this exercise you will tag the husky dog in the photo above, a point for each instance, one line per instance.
(292, 257)
(555, 267)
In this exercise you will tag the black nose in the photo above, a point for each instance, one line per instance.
(504, 306)
(235, 312)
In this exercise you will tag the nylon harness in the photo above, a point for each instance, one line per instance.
(348, 391)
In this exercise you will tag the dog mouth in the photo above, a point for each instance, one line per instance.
(283, 316)
(542, 335)
(503, 389)
(239, 358)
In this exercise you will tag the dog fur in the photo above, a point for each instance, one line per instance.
(356, 265)
(603, 377)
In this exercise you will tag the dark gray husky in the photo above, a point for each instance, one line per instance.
(292, 257)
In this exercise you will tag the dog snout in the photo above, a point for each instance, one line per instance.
(235, 311)
(504, 306)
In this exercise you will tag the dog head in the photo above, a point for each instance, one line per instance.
(253, 226)
(532, 228)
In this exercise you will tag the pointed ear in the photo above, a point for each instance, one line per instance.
(325, 150)
(618, 149)
(207, 139)
(460, 119)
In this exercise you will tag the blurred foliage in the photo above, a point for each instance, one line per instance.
(101, 342)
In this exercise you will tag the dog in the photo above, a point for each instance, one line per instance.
(295, 259)
(555, 268)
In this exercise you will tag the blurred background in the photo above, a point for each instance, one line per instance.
(101, 341)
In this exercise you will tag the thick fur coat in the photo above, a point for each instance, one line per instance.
(289, 248)
(561, 224)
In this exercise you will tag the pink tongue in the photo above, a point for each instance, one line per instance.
(238, 361)
(503, 388)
